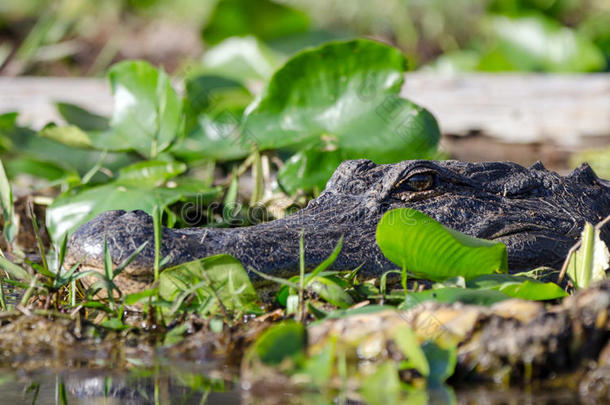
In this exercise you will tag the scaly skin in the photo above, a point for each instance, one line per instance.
(537, 213)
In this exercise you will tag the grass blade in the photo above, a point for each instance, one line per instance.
(273, 278)
(157, 231)
(6, 202)
(130, 259)
(13, 270)
(41, 249)
(326, 263)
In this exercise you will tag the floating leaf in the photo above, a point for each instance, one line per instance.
(308, 169)
(426, 248)
(590, 262)
(333, 98)
(147, 110)
(213, 107)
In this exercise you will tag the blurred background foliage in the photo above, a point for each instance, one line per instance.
(83, 38)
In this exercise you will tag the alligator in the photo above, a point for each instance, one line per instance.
(538, 214)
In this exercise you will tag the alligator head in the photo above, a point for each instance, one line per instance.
(537, 213)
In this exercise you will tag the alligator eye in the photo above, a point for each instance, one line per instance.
(419, 182)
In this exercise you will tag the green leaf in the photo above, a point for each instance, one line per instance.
(319, 367)
(334, 97)
(453, 294)
(69, 135)
(407, 343)
(77, 206)
(383, 386)
(85, 120)
(214, 106)
(242, 59)
(414, 241)
(309, 169)
(326, 263)
(11, 226)
(518, 287)
(224, 274)
(114, 324)
(134, 298)
(331, 292)
(39, 168)
(536, 42)
(264, 19)
(13, 270)
(287, 339)
(147, 110)
(589, 263)
(40, 151)
(442, 363)
(150, 173)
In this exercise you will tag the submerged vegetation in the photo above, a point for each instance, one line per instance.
(213, 149)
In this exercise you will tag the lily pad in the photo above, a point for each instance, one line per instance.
(213, 107)
(342, 96)
(427, 249)
(147, 110)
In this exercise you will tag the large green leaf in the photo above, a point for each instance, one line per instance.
(342, 96)
(218, 277)
(136, 188)
(214, 106)
(536, 42)
(308, 169)
(264, 19)
(426, 248)
(147, 110)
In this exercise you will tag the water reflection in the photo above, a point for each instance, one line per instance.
(182, 386)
